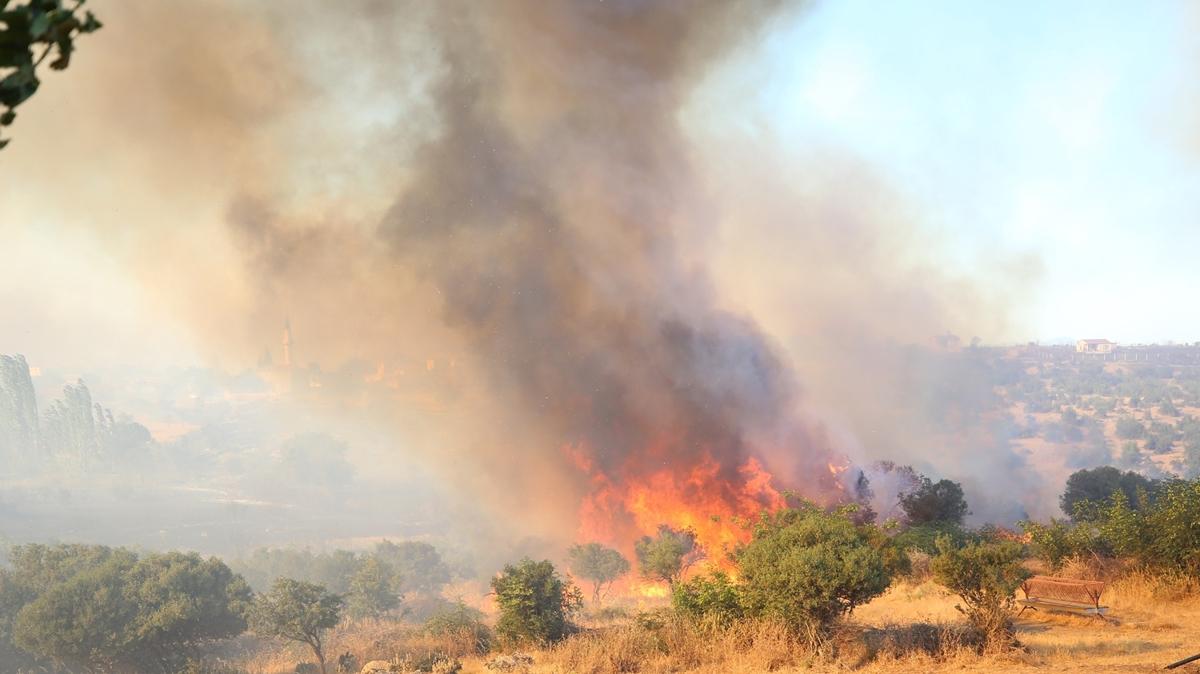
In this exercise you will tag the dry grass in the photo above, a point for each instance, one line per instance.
(679, 645)
(912, 628)
(366, 641)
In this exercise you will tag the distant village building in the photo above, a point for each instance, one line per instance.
(1094, 346)
(287, 343)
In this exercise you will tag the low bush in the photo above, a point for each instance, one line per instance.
(807, 568)
(985, 575)
(536, 604)
(462, 623)
(713, 598)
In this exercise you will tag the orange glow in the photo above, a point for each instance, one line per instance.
(627, 503)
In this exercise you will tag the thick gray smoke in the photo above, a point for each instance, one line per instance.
(510, 187)
(546, 212)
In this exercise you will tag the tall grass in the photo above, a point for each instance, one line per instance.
(367, 640)
(675, 645)
(1145, 590)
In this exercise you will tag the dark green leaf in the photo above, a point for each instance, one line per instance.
(40, 25)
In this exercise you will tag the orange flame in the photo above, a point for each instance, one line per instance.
(620, 509)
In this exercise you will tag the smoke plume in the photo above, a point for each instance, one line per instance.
(510, 185)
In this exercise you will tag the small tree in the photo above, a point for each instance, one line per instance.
(930, 501)
(985, 576)
(372, 590)
(668, 555)
(536, 604)
(808, 568)
(598, 563)
(297, 611)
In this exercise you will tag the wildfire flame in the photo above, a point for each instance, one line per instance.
(623, 507)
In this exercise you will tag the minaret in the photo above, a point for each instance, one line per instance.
(287, 343)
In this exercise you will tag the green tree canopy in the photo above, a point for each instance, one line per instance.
(985, 575)
(536, 604)
(808, 567)
(598, 563)
(95, 607)
(83, 621)
(373, 590)
(930, 501)
(297, 611)
(667, 555)
(1098, 485)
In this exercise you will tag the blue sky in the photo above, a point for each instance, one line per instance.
(1063, 129)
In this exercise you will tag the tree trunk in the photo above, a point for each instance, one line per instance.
(315, 644)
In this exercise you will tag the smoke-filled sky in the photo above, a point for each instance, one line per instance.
(667, 233)
(1051, 145)
(1048, 148)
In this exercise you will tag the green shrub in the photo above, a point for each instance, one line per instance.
(924, 538)
(462, 621)
(536, 604)
(1051, 543)
(985, 575)
(1168, 533)
(807, 568)
(713, 598)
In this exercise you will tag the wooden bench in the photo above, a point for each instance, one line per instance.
(1049, 593)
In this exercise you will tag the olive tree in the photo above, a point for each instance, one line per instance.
(536, 603)
(667, 555)
(985, 575)
(373, 590)
(297, 611)
(929, 502)
(83, 621)
(1096, 487)
(117, 611)
(808, 568)
(599, 564)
